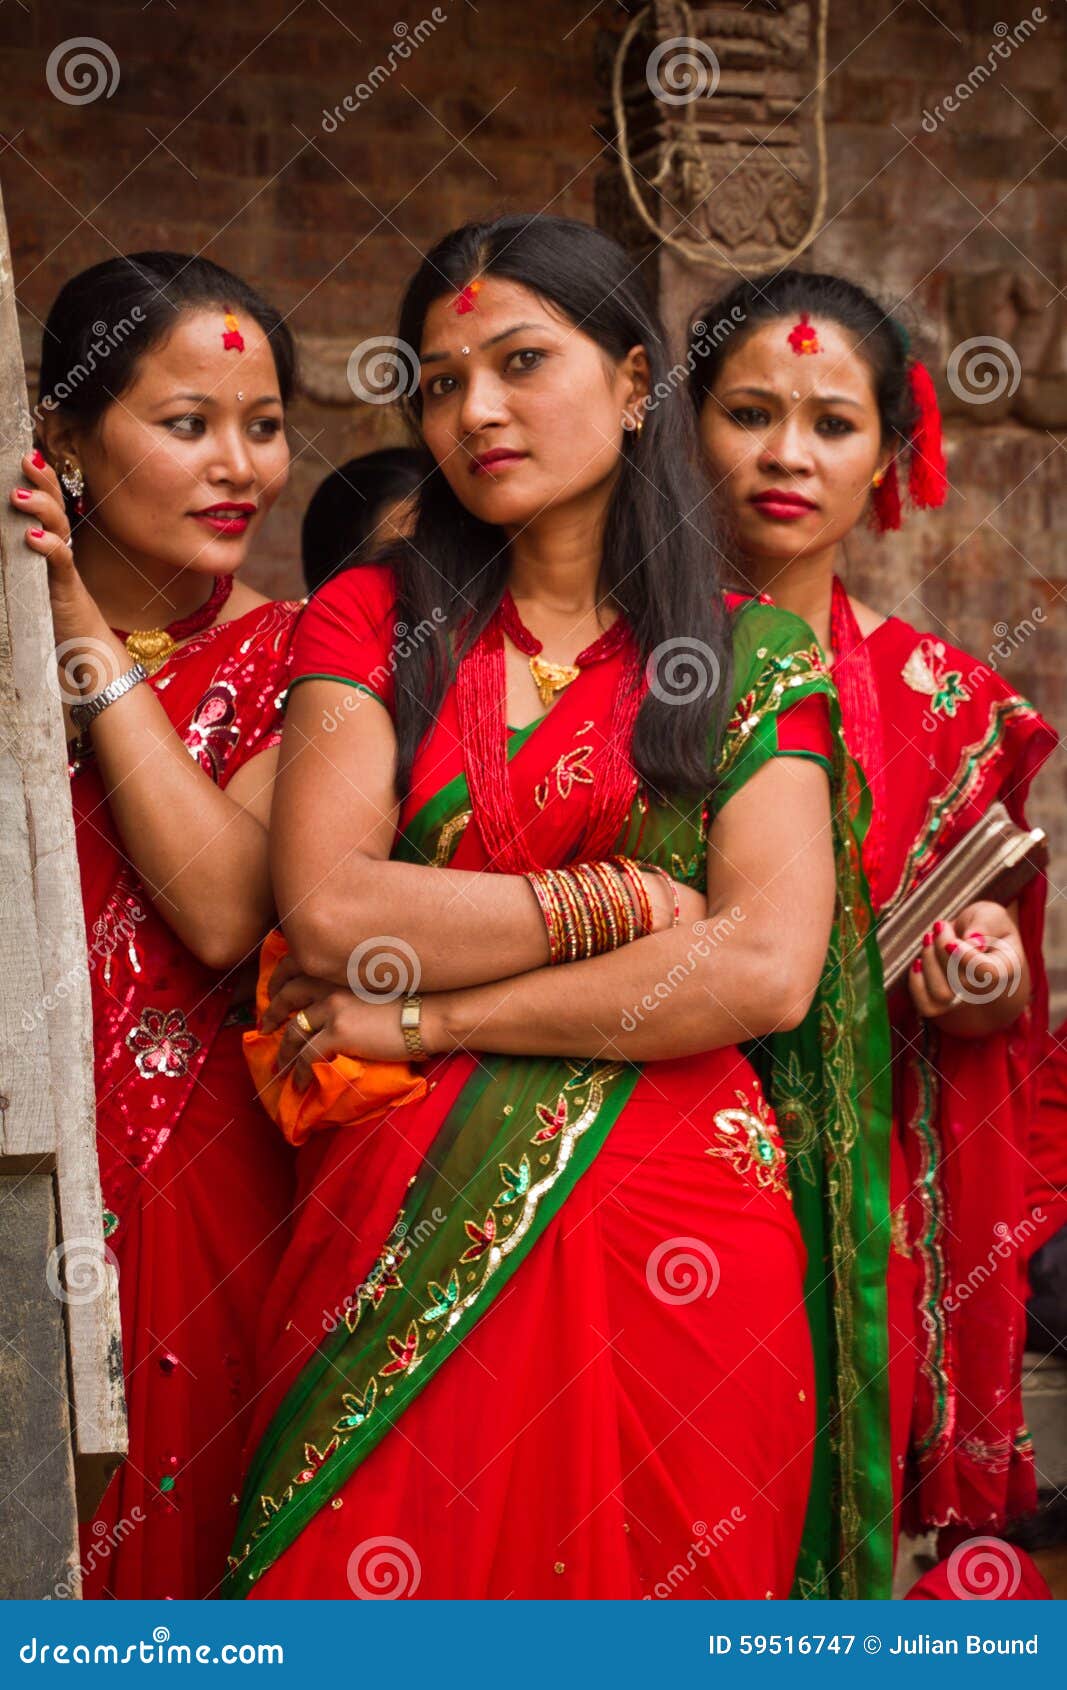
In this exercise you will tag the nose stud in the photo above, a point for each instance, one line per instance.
(794, 394)
(465, 351)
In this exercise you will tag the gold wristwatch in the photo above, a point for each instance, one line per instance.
(410, 1026)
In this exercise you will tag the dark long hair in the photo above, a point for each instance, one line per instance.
(881, 340)
(345, 509)
(660, 558)
(106, 318)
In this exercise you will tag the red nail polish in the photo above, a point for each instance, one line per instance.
(979, 939)
(38, 533)
(917, 965)
(928, 938)
(952, 945)
(21, 493)
(938, 925)
(38, 459)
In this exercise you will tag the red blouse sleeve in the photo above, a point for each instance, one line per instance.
(804, 730)
(346, 631)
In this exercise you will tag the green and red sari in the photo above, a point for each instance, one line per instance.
(547, 1332)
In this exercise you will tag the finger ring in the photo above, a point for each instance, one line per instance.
(303, 1023)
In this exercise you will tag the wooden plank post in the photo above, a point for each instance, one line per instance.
(62, 1405)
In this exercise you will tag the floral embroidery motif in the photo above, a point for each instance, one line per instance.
(994, 1455)
(752, 1143)
(552, 1120)
(162, 1044)
(794, 670)
(795, 1102)
(447, 1304)
(925, 672)
(212, 734)
(571, 770)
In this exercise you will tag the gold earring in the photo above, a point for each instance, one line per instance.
(73, 479)
(877, 478)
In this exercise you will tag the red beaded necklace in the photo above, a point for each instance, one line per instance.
(152, 646)
(481, 689)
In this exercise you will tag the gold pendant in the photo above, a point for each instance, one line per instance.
(550, 678)
(151, 647)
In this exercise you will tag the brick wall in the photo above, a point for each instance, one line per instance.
(495, 110)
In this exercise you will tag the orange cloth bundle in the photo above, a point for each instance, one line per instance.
(343, 1093)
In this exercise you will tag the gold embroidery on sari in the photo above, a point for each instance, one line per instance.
(751, 1143)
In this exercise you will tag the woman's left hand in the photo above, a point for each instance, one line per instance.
(971, 968)
(342, 1024)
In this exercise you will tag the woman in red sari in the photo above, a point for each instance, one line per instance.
(811, 412)
(171, 450)
(542, 1333)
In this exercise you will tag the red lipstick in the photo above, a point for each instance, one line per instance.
(781, 505)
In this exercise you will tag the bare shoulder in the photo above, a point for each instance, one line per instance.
(868, 618)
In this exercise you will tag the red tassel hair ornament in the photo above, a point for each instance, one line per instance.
(927, 475)
(927, 478)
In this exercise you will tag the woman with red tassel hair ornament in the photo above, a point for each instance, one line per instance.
(805, 448)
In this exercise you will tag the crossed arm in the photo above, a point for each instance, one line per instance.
(744, 960)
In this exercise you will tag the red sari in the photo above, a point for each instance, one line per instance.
(196, 1185)
(632, 1412)
(941, 737)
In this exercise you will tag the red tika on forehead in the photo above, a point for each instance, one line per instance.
(465, 298)
(232, 338)
(802, 336)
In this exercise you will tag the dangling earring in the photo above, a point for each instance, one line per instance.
(633, 425)
(877, 478)
(74, 482)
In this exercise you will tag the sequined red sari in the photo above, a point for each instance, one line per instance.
(941, 737)
(196, 1183)
(543, 1333)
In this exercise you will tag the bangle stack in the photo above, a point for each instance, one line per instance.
(590, 908)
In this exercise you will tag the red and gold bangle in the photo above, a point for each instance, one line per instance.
(552, 924)
(642, 903)
(672, 887)
(616, 903)
(596, 906)
(573, 890)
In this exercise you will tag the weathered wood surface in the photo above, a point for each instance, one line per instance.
(46, 1093)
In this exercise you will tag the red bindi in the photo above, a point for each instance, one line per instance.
(465, 298)
(803, 337)
(232, 338)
